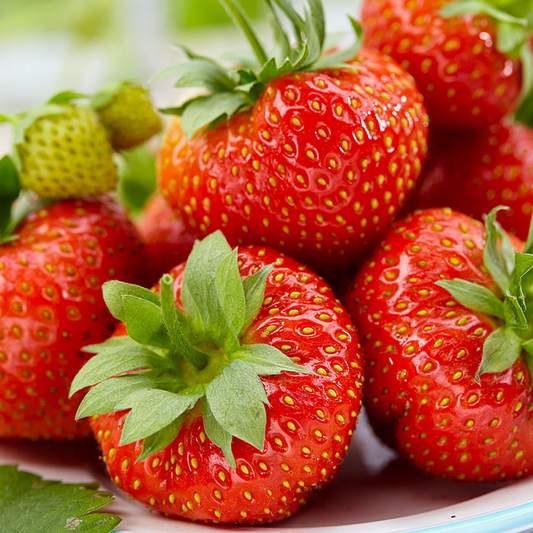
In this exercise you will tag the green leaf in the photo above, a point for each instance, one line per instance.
(161, 439)
(295, 19)
(333, 60)
(508, 251)
(117, 361)
(528, 249)
(174, 325)
(236, 398)
(144, 322)
(104, 397)
(515, 302)
(312, 37)
(30, 504)
(269, 71)
(112, 342)
(230, 292)
(316, 11)
(9, 192)
(492, 257)
(65, 97)
(525, 112)
(204, 110)
(254, 293)
(216, 433)
(138, 180)
(282, 41)
(198, 290)
(199, 73)
(241, 20)
(25, 204)
(511, 37)
(501, 350)
(267, 360)
(114, 292)
(514, 315)
(474, 296)
(152, 410)
(478, 7)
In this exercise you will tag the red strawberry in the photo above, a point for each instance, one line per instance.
(51, 305)
(475, 172)
(314, 163)
(165, 237)
(425, 339)
(462, 66)
(309, 366)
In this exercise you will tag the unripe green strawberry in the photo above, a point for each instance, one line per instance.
(66, 154)
(127, 112)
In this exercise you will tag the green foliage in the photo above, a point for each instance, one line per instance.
(500, 351)
(231, 91)
(137, 178)
(236, 398)
(9, 192)
(510, 270)
(474, 296)
(30, 504)
(170, 360)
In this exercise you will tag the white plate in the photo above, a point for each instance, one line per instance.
(374, 493)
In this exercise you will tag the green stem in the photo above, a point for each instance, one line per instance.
(11, 119)
(238, 15)
(180, 345)
(278, 28)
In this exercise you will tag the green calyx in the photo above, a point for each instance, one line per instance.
(514, 22)
(227, 92)
(171, 361)
(510, 270)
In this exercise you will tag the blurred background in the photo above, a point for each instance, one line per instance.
(51, 45)
(47, 46)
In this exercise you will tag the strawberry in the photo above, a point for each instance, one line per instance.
(310, 154)
(448, 357)
(476, 171)
(166, 240)
(62, 150)
(51, 305)
(466, 57)
(126, 111)
(242, 399)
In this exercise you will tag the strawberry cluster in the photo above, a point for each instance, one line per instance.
(229, 392)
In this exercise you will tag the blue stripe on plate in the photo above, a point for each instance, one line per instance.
(517, 519)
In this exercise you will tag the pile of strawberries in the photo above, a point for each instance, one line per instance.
(229, 392)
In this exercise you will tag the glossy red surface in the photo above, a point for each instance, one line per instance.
(317, 170)
(165, 237)
(310, 419)
(51, 306)
(422, 350)
(479, 170)
(465, 81)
